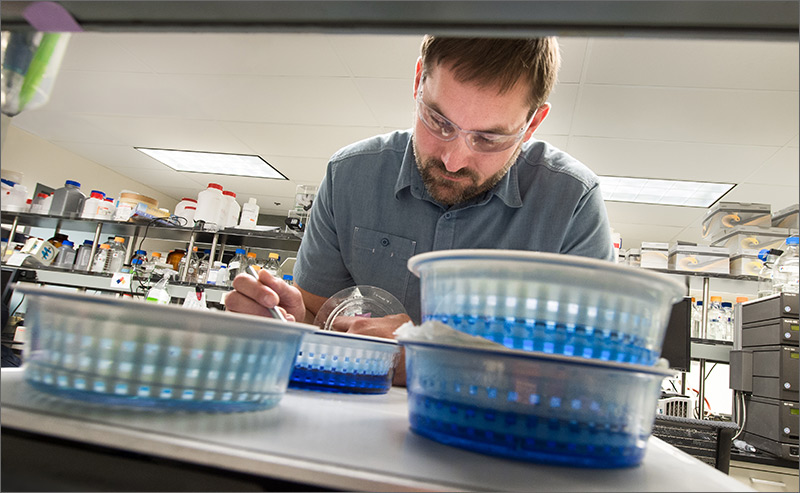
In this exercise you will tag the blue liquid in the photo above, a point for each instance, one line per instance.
(332, 381)
(553, 338)
(525, 436)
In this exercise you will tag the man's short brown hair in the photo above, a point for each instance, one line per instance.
(497, 62)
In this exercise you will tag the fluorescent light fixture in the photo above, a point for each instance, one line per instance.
(662, 192)
(214, 162)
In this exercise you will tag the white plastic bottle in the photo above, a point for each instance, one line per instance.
(698, 325)
(787, 269)
(117, 259)
(92, 204)
(233, 210)
(101, 258)
(726, 334)
(106, 209)
(182, 210)
(249, 217)
(716, 318)
(209, 202)
(38, 204)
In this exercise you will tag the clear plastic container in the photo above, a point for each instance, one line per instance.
(787, 269)
(532, 406)
(345, 363)
(159, 293)
(116, 351)
(716, 319)
(273, 266)
(768, 257)
(68, 200)
(544, 302)
(726, 334)
(357, 301)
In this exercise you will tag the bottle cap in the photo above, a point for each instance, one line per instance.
(157, 254)
(792, 240)
(136, 261)
(251, 254)
(41, 195)
(96, 195)
(727, 304)
(88, 242)
(188, 200)
(109, 199)
(215, 185)
(700, 303)
(105, 246)
(73, 183)
(274, 255)
(240, 250)
(251, 200)
(741, 299)
(140, 252)
(119, 239)
(67, 243)
(228, 192)
(716, 298)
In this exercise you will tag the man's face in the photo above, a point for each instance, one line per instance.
(452, 171)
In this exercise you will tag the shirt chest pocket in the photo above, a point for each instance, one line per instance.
(381, 259)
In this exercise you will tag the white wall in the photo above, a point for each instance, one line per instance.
(45, 163)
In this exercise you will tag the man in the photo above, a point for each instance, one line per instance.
(465, 176)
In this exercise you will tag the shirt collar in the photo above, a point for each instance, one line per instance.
(507, 189)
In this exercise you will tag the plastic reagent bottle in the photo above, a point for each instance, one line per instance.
(787, 269)
(272, 266)
(159, 293)
(249, 217)
(67, 200)
(769, 257)
(66, 256)
(117, 260)
(84, 256)
(101, 258)
(92, 204)
(726, 333)
(209, 202)
(236, 266)
(715, 319)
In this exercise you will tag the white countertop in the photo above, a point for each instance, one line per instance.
(339, 441)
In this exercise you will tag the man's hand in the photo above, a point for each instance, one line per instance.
(377, 327)
(255, 297)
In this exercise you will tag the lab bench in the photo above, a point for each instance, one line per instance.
(311, 440)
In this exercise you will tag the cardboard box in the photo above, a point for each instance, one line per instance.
(699, 259)
(727, 215)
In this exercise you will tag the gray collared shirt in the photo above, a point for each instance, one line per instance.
(372, 213)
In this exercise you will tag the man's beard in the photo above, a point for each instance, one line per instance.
(450, 193)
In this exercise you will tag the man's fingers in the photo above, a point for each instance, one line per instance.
(255, 290)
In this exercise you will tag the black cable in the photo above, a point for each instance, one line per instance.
(11, 314)
(709, 372)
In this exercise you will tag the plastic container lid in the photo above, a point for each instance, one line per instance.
(136, 261)
(105, 246)
(109, 199)
(215, 185)
(98, 191)
(42, 195)
(73, 183)
(716, 298)
(88, 242)
(727, 304)
(792, 240)
(742, 299)
(240, 250)
(119, 239)
(67, 243)
(97, 195)
(228, 192)
(189, 207)
(188, 200)
(137, 252)
(274, 255)
(157, 254)
(249, 254)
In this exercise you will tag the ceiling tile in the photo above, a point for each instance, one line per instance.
(156, 178)
(729, 64)
(690, 115)
(274, 54)
(171, 133)
(63, 126)
(647, 214)
(316, 141)
(391, 101)
(288, 100)
(573, 55)
(100, 52)
(377, 56)
(114, 156)
(669, 160)
(562, 101)
(782, 168)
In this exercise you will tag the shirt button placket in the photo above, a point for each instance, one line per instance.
(445, 232)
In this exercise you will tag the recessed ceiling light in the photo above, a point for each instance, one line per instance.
(662, 192)
(213, 162)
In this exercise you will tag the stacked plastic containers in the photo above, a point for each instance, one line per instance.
(537, 356)
(187, 208)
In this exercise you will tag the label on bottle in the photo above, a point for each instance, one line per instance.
(233, 265)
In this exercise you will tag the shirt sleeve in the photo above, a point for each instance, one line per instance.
(589, 234)
(320, 268)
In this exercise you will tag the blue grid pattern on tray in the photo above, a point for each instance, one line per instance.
(528, 409)
(104, 361)
(623, 325)
(344, 365)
